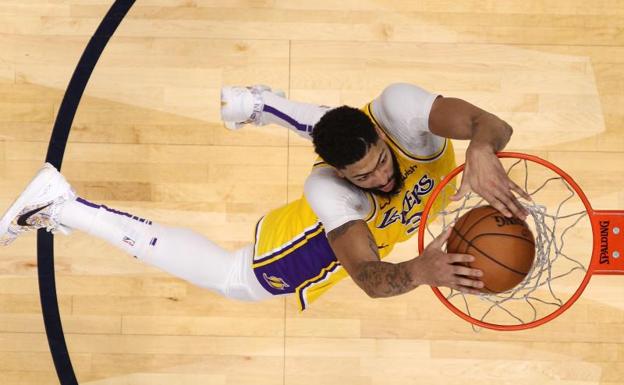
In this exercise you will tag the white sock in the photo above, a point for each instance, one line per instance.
(296, 116)
(178, 251)
(129, 233)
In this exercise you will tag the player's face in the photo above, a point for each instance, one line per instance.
(377, 171)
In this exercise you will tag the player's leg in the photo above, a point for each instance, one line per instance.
(259, 105)
(49, 202)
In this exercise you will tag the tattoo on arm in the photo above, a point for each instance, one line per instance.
(338, 231)
(373, 245)
(383, 279)
(377, 278)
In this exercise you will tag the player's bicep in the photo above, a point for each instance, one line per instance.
(354, 245)
(453, 118)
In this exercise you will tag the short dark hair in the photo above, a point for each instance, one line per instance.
(343, 136)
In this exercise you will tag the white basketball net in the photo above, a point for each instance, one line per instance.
(557, 217)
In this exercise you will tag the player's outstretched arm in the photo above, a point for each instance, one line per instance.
(357, 251)
(484, 174)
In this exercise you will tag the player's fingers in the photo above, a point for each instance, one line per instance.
(512, 204)
(468, 272)
(460, 258)
(489, 196)
(467, 290)
(464, 189)
(500, 206)
(465, 282)
(518, 190)
(518, 209)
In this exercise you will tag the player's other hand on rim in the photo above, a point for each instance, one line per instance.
(436, 268)
(484, 174)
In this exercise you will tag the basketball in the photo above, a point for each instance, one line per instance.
(504, 248)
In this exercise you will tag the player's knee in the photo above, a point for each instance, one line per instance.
(240, 292)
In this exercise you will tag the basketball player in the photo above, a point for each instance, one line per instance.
(366, 193)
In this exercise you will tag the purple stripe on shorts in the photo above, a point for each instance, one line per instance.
(302, 297)
(289, 119)
(291, 244)
(300, 265)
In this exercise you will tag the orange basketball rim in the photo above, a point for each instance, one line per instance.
(607, 257)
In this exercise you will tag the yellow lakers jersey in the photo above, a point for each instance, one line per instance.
(292, 253)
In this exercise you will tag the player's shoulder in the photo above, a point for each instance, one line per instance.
(403, 112)
(334, 200)
(324, 179)
(395, 91)
(401, 99)
(331, 195)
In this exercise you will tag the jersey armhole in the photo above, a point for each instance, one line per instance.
(373, 207)
(436, 154)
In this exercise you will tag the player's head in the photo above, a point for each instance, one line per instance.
(348, 140)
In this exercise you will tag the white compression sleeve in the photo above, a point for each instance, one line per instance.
(298, 117)
(180, 252)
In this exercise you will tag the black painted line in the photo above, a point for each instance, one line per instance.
(56, 151)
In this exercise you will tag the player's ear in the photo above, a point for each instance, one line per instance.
(381, 134)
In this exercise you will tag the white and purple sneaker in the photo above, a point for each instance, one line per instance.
(243, 105)
(38, 206)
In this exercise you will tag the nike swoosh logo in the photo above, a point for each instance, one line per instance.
(24, 217)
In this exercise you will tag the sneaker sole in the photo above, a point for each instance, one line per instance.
(45, 175)
(233, 125)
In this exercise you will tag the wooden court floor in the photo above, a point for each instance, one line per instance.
(147, 139)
